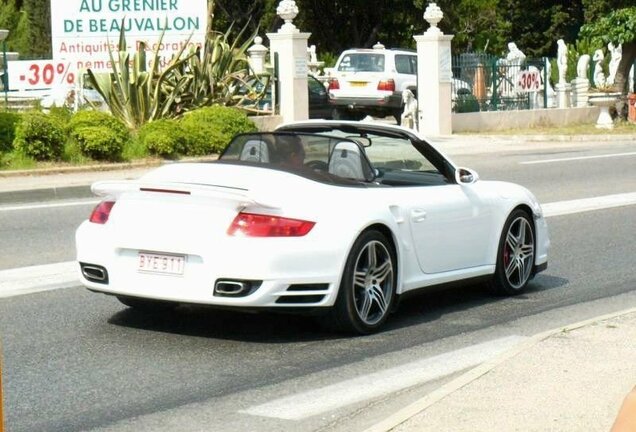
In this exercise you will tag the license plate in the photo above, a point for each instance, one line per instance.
(357, 83)
(160, 263)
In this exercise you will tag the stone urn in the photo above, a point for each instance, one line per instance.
(604, 101)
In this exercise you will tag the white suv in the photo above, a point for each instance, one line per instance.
(371, 81)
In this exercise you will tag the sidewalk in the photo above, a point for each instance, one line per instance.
(571, 379)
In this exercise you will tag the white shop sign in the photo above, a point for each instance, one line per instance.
(82, 31)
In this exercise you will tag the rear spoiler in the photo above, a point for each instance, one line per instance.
(242, 197)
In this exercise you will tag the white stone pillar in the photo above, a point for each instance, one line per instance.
(434, 77)
(290, 46)
(256, 56)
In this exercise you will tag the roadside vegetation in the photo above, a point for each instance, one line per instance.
(191, 107)
(35, 139)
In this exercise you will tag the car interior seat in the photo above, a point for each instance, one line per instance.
(346, 161)
(255, 151)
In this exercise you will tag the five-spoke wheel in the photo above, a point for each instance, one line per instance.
(368, 285)
(515, 259)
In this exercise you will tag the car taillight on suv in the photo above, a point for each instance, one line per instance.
(387, 85)
(334, 84)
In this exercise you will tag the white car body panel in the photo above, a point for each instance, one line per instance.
(441, 233)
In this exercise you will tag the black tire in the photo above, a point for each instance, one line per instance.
(515, 255)
(147, 305)
(362, 307)
(339, 114)
(356, 115)
(345, 114)
(397, 115)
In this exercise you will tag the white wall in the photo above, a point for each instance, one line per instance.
(500, 120)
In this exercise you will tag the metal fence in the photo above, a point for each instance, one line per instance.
(482, 82)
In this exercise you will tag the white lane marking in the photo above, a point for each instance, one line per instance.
(305, 404)
(560, 208)
(46, 206)
(27, 280)
(577, 158)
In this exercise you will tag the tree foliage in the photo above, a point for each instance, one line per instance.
(617, 27)
(38, 13)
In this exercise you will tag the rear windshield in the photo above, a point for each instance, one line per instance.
(310, 155)
(362, 62)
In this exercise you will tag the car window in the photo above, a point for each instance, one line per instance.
(413, 60)
(403, 64)
(399, 163)
(315, 86)
(362, 62)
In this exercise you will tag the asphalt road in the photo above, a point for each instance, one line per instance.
(79, 361)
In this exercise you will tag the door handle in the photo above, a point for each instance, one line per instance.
(418, 215)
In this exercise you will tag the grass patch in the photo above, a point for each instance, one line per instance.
(73, 155)
(134, 150)
(620, 128)
(16, 161)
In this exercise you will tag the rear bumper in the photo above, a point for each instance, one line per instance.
(380, 103)
(305, 274)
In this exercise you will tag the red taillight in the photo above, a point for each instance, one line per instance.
(257, 225)
(334, 84)
(101, 212)
(386, 85)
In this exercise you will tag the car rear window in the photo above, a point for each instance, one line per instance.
(362, 62)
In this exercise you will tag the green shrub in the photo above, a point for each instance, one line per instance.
(40, 136)
(97, 118)
(100, 142)
(134, 149)
(165, 138)
(466, 101)
(99, 135)
(210, 129)
(64, 114)
(8, 123)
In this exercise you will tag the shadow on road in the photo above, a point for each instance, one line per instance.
(442, 307)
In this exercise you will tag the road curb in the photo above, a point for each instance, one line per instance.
(80, 169)
(432, 398)
(46, 194)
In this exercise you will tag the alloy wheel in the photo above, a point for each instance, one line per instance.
(373, 282)
(518, 252)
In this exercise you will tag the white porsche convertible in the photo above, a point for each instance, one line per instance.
(330, 217)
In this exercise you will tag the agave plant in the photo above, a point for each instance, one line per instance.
(133, 93)
(212, 76)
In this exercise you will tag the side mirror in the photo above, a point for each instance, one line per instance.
(465, 176)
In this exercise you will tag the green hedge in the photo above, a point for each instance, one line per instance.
(40, 136)
(165, 138)
(8, 124)
(99, 135)
(210, 129)
(100, 142)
